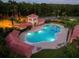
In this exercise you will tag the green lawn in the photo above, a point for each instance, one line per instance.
(50, 53)
(68, 51)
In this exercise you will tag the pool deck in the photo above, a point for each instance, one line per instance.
(59, 41)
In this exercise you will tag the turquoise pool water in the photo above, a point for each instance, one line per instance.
(47, 33)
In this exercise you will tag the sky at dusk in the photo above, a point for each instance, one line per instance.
(49, 1)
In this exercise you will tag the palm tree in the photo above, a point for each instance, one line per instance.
(1, 8)
(71, 50)
(12, 19)
(12, 9)
(77, 41)
(70, 24)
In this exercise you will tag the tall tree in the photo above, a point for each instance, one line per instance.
(70, 24)
(71, 51)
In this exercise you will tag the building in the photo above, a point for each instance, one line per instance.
(35, 20)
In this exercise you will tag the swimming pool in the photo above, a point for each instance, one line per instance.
(47, 33)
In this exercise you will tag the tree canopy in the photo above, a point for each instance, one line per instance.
(43, 9)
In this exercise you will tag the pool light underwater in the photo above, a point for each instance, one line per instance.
(29, 33)
(40, 31)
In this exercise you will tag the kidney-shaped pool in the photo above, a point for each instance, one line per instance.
(47, 33)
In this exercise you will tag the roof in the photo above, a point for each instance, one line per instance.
(23, 25)
(41, 20)
(75, 32)
(32, 16)
(17, 45)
